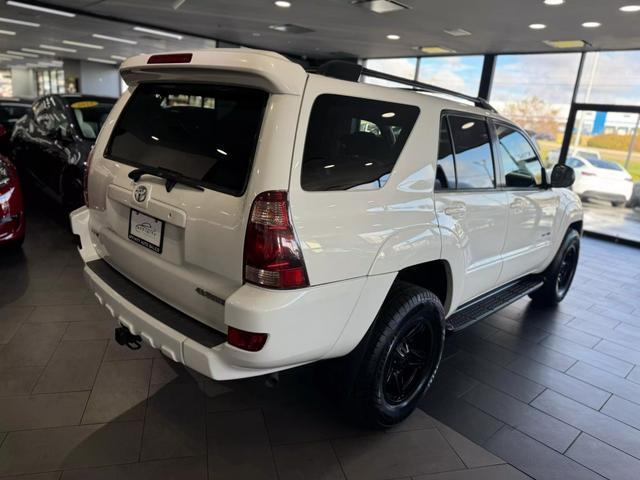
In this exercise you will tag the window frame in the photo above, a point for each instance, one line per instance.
(497, 172)
(503, 182)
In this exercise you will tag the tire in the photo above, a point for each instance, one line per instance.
(617, 204)
(559, 275)
(409, 326)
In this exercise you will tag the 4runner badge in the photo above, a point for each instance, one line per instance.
(140, 193)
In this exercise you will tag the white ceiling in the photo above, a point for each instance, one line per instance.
(339, 28)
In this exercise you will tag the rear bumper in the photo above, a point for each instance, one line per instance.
(303, 325)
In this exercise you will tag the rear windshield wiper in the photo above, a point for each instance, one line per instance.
(171, 176)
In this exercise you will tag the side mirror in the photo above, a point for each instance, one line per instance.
(562, 176)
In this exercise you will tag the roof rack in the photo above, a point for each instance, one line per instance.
(352, 72)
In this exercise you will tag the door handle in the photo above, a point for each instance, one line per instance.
(518, 203)
(456, 210)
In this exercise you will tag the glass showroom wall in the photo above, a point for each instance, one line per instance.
(610, 79)
(461, 74)
(400, 67)
(535, 90)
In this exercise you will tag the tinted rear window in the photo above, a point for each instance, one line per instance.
(205, 132)
(354, 143)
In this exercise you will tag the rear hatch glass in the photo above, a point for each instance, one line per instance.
(207, 133)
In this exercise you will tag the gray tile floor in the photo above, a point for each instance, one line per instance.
(553, 394)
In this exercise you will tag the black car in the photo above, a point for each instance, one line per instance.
(52, 142)
(11, 109)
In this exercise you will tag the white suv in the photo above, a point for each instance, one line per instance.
(245, 216)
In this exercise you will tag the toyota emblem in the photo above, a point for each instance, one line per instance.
(140, 193)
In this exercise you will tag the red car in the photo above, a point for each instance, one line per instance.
(12, 221)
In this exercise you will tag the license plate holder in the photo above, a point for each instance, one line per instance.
(146, 230)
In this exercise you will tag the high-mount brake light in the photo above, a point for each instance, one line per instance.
(272, 254)
(85, 176)
(170, 58)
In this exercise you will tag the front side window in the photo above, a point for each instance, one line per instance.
(472, 148)
(207, 133)
(354, 143)
(520, 163)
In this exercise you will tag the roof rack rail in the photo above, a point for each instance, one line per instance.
(352, 72)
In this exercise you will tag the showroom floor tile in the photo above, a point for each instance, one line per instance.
(525, 393)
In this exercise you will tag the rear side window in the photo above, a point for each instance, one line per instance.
(207, 133)
(445, 169)
(472, 147)
(354, 143)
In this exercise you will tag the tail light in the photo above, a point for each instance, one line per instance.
(85, 178)
(272, 255)
(252, 342)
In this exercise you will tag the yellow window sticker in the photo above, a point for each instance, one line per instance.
(84, 104)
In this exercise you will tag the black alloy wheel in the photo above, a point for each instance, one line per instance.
(409, 363)
(567, 270)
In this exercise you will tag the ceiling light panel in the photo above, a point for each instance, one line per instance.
(33, 50)
(83, 45)
(591, 24)
(102, 60)
(290, 28)
(7, 32)
(58, 49)
(630, 8)
(23, 54)
(537, 26)
(114, 39)
(159, 33)
(38, 8)
(18, 22)
(566, 43)
(457, 32)
(118, 57)
(381, 6)
(436, 50)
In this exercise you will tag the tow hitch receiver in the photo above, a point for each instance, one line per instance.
(125, 337)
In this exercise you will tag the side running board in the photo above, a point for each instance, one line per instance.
(482, 307)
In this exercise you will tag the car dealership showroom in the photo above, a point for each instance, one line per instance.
(414, 252)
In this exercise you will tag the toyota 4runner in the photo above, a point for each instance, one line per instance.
(245, 216)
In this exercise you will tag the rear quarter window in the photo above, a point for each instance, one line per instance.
(354, 143)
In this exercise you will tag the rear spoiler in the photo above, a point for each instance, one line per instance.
(267, 70)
